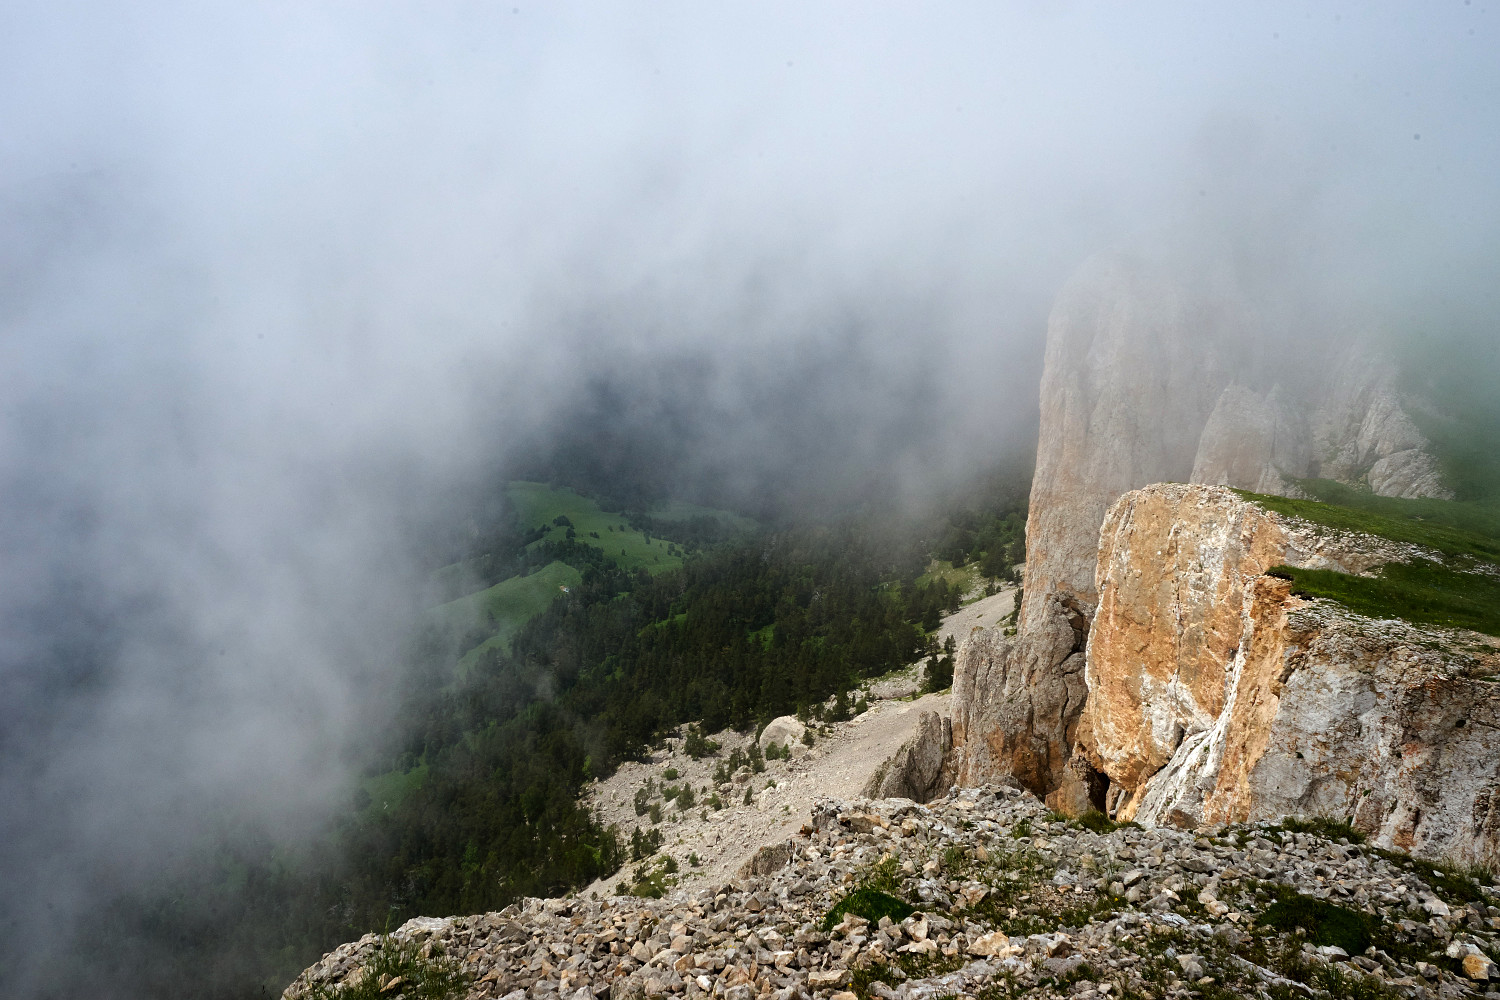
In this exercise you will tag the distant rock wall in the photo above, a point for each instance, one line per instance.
(1129, 377)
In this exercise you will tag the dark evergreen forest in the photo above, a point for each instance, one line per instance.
(746, 630)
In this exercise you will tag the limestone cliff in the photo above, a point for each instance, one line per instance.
(1129, 377)
(1138, 387)
(1016, 700)
(1216, 696)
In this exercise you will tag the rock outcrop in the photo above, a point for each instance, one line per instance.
(1016, 700)
(921, 770)
(1214, 695)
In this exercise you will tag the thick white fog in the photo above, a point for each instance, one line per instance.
(282, 285)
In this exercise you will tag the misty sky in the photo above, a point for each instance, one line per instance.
(278, 281)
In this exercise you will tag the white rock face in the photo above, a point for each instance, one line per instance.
(1361, 431)
(1130, 376)
(1252, 442)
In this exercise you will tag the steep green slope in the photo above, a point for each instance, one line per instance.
(1450, 527)
(1461, 593)
(506, 606)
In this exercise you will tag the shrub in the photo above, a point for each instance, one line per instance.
(420, 978)
(1325, 923)
(872, 904)
(698, 746)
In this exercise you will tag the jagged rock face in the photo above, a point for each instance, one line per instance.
(1361, 431)
(1215, 696)
(1252, 442)
(1017, 699)
(1129, 378)
(920, 770)
(1173, 564)
(1135, 390)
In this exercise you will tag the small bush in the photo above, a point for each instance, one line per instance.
(670, 774)
(698, 746)
(1099, 823)
(872, 904)
(883, 876)
(1325, 923)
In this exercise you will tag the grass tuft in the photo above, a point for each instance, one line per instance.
(1450, 527)
(400, 969)
(872, 904)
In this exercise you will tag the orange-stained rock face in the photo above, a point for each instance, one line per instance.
(1215, 695)
(1173, 565)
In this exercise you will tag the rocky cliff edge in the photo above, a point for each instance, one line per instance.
(1216, 695)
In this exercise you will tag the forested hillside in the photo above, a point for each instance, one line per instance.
(558, 654)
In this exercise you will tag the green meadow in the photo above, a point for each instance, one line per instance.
(1423, 592)
(538, 505)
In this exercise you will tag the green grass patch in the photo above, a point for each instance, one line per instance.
(389, 790)
(400, 970)
(540, 505)
(1450, 527)
(502, 609)
(962, 577)
(1321, 826)
(1421, 592)
(1097, 822)
(1451, 883)
(872, 904)
(1324, 923)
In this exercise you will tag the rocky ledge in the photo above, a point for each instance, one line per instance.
(1005, 898)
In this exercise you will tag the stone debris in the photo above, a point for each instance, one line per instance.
(1009, 899)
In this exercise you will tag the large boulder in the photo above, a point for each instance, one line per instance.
(784, 731)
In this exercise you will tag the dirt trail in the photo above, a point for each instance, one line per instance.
(838, 765)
